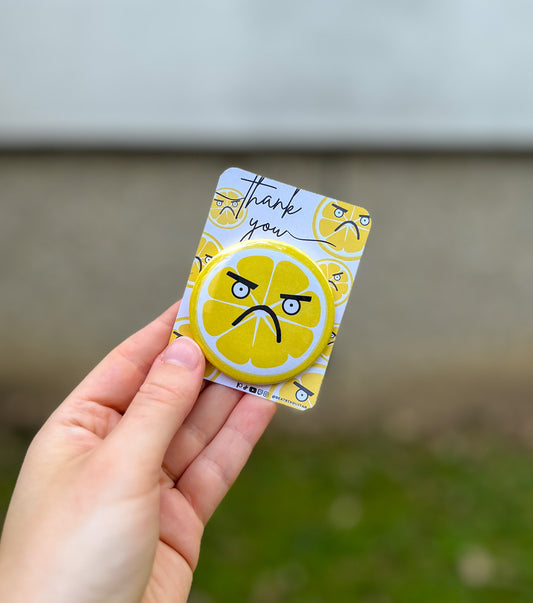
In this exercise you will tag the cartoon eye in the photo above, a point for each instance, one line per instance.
(219, 203)
(291, 306)
(364, 220)
(337, 276)
(240, 290)
(302, 393)
(242, 286)
(207, 258)
(301, 396)
(235, 203)
(291, 303)
(339, 211)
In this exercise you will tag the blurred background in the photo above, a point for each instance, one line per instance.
(411, 480)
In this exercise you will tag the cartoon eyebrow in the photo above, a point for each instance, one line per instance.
(339, 207)
(241, 279)
(226, 198)
(300, 386)
(297, 297)
(340, 273)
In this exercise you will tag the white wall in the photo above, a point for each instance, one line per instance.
(236, 73)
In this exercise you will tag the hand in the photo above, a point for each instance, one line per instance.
(117, 486)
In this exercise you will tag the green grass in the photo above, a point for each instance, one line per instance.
(368, 520)
(374, 521)
(12, 450)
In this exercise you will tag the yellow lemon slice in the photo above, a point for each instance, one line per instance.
(339, 278)
(323, 359)
(301, 391)
(227, 209)
(262, 311)
(207, 249)
(341, 228)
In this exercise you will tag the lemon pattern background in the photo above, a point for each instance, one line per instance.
(300, 391)
(339, 278)
(226, 210)
(323, 359)
(207, 249)
(342, 227)
(262, 311)
(332, 233)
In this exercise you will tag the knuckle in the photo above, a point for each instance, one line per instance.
(221, 472)
(159, 391)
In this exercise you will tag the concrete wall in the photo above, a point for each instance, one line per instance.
(439, 329)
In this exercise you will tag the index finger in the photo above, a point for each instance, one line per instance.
(116, 379)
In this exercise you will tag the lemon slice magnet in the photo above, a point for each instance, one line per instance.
(262, 311)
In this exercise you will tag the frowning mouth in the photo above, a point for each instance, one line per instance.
(227, 207)
(348, 223)
(266, 309)
(334, 285)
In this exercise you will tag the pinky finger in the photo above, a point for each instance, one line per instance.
(209, 477)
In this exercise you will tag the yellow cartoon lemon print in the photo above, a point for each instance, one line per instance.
(339, 278)
(323, 359)
(262, 311)
(341, 228)
(227, 209)
(207, 249)
(182, 328)
(302, 391)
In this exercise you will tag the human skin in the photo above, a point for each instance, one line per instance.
(116, 488)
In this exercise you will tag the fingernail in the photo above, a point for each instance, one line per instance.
(183, 352)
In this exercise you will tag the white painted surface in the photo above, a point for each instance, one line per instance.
(253, 74)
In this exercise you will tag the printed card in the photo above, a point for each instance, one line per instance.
(269, 284)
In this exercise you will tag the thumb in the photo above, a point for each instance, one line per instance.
(160, 405)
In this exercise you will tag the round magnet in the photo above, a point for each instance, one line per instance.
(262, 311)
